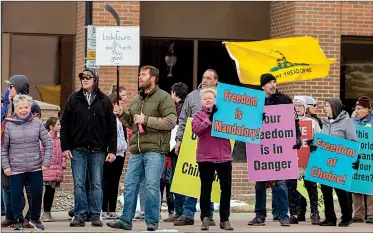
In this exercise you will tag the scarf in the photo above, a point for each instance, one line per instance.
(16, 120)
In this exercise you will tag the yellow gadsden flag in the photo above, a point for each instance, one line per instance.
(288, 59)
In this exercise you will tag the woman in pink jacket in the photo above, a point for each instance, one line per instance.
(213, 154)
(54, 175)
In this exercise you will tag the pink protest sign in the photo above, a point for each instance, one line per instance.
(274, 158)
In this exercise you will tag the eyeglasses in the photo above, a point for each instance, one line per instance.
(82, 77)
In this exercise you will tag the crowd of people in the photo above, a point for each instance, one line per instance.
(96, 130)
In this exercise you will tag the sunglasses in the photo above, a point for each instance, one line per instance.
(84, 76)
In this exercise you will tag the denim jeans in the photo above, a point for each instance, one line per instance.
(146, 166)
(17, 184)
(3, 201)
(93, 163)
(281, 199)
(189, 207)
(274, 204)
(142, 194)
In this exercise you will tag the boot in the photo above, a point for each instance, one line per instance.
(47, 217)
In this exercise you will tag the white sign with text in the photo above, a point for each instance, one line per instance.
(118, 46)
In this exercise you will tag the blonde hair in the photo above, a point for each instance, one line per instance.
(207, 90)
(25, 99)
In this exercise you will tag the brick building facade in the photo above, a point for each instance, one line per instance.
(330, 22)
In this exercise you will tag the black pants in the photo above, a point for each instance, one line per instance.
(169, 196)
(111, 178)
(311, 188)
(343, 200)
(48, 198)
(17, 183)
(292, 196)
(207, 175)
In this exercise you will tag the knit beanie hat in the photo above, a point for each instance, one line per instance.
(266, 78)
(364, 102)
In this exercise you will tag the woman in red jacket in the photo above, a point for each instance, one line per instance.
(54, 175)
(213, 154)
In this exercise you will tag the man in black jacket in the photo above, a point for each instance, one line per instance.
(279, 188)
(88, 132)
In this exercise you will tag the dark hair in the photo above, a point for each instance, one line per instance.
(114, 98)
(52, 121)
(121, 88)
(152, 71)
(215, 73)
(180, 89)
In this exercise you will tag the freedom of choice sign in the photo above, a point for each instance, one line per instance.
(240, 113)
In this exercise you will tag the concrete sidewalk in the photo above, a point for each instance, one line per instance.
(238, 221)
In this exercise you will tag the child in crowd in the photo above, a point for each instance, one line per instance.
(54, 175)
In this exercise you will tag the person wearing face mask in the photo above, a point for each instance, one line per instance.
(213, 155)
(311, 187)
(363, 117)
(337, 124)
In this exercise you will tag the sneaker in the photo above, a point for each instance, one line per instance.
(183, 221)
(119, 225)
(47, 217)
(152, 227)
(293, 220)
(344, 223)
(285, 222)
(77, 221)
(327, 223)
(205, 224)
(211, 222)
(315, 219)
(37, 224)
(6, 223)
(369, 220)
(226, 226)
(357, 220)
(96, 221)
(17, 226)
(257, 221)
(105, 216)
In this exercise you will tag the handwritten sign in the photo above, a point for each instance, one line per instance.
(331, 163)
(307, 134)
(362, 179)
(236, 105)
(274, 158)
(118, 46)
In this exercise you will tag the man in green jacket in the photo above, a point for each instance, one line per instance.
(152, 116)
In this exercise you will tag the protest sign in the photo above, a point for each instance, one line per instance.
(301, 188)
(362, 179)
(186, 179)
(274, 158)
(236, 105)
(307, 134)
(331, 163)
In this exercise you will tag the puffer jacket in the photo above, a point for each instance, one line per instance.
(58, 162)
(209, 148)
(20, 150)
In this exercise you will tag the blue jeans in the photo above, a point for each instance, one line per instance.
(93, 163)
(281, 199)
(142, 194)
(150, 165)
(17, 183)
(189, 207)
(274, 203)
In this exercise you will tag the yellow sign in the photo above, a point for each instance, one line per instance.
(288, 59)
(301, 188)
(91, 54)
(186, 179)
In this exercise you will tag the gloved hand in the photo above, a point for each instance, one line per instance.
(264, 116)
(355, 165)
(213, 111)
(313, 148)
(298, 144)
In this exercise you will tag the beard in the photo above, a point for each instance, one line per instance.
(146, 84)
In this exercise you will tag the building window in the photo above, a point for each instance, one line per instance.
(356, 69)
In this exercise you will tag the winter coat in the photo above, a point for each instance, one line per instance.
(366, 121)
(160, 118)
(20, 150)
(209, 148)
(58, 162)
(341, 127)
